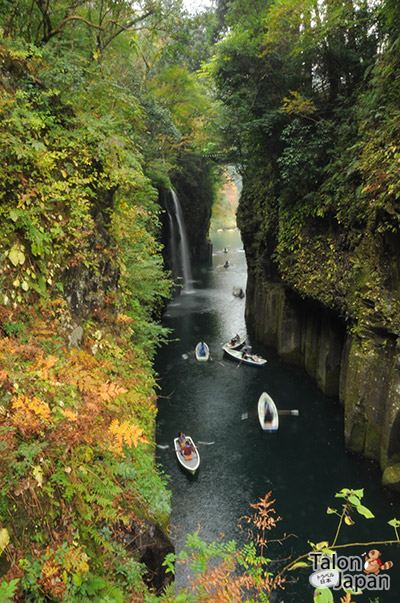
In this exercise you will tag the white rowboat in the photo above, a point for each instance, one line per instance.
(244, 357)
(267, 413)
(192, 462)
(202, 352)
(236, 342)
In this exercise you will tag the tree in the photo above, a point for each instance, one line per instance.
(39, 21)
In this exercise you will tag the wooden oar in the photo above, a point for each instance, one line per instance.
(166, 446)
(294, 413)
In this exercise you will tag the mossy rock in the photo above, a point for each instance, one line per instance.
(373, 440)
(391, 477)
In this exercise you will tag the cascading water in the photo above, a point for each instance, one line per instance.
(179, 249)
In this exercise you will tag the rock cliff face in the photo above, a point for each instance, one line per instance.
(302, 333)
(356, 361)
(363, 372)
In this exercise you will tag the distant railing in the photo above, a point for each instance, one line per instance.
(229, 156)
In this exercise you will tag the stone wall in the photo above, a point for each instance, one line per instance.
(303, 334)
(362, 371)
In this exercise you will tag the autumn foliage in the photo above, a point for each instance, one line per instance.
(222, 572)
(75, 442)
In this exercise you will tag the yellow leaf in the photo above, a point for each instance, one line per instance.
(69, 414)
(298, 564)
(4, 539)
(38, 475)
(16, 255)
(125, 433)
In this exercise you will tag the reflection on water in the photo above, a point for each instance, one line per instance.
(304, 463)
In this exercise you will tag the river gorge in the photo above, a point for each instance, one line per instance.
(304, 464)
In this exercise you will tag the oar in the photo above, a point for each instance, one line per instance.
(247, 415)
(294, 413)
(166, 446)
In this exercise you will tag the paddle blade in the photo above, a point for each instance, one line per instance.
(162, 446)
(206, 443)
(293, 412)
(245, 415)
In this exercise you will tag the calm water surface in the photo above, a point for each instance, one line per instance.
(304, 464)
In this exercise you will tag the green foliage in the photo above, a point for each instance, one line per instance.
(304, 156)
(7, 590)
(311, 115)
(353, 500)
(80, 215)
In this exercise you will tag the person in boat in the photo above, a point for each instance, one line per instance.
(187, 449)
(226, 265)
(225, 250)
(235, 339)
(268, 415)
(241, 293)
(181, 439)
(245, 355)
(202, 349)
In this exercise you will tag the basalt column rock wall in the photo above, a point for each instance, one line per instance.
(303, 334)
(362, 371)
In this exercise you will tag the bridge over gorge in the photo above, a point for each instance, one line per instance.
(225, 156)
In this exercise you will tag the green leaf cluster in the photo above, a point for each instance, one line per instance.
(95, 116)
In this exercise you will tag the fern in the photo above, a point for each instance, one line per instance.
(125, 433)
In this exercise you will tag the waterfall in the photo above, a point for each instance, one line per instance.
(180, 257)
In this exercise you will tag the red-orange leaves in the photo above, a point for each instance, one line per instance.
(108, 391)
(42, 366)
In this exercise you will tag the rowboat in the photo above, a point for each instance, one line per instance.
(236, 342)
(238, 292)
(202, 351)
(267, 413)
(192, 462)
(244, 357)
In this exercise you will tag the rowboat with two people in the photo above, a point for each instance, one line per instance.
(187, 454)
(243, 356)
(202, 351)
